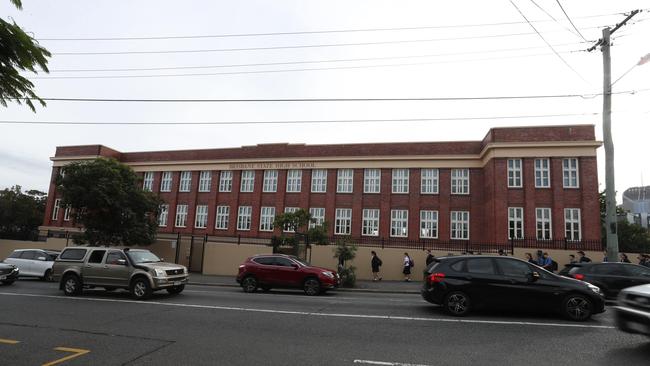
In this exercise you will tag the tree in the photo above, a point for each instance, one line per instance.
(106, 197)
(19, 52)
(345, 252)
(297, 223)
(21, 213)
(631, 237)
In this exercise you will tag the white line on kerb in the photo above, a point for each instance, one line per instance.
(383, 363)
(308, 313)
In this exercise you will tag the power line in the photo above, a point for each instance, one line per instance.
(570, 21)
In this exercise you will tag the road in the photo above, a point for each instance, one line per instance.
(208, 325)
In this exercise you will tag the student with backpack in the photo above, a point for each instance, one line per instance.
(408, 264)
(375, 263)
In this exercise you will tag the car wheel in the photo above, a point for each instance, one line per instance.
(7, 282)
(577, 307)
(457, 303)
(71, 285)
(47, 276)
(141, 289)
(311, 287)
(249, 284)
(266, 288)
(176, 289)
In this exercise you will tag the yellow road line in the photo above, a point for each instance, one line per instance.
(76, 353)
(8, 341)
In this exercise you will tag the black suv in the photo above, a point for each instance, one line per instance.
(463, 283)
(609, 277)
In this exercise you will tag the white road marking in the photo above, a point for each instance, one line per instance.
(384, 363)
(308, 313)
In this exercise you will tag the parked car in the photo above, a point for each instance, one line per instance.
(34, 262)
(137, 270)
(278, 270)
(609, 277)
(8, 273)
(633, 310)
(464, 283)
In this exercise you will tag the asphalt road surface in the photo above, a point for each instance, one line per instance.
(224, 326)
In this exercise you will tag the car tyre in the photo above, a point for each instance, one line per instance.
(457, 303)
(577, 307)
(72, 285)
(141, 289)
(311, 286)
(47, 276)
(176, 289)
(249, 284)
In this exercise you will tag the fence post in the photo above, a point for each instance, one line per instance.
(512, 246)
(467, 247)
(566, 244)
(382, 243)
(238, 239)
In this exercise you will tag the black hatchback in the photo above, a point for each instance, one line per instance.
(463, 283)
(610, 277)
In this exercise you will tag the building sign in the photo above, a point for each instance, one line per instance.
(290, 165)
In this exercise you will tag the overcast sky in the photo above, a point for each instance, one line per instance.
(449, 49)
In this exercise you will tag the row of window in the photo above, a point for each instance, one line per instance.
(371, 179)
(57, 208)
(544, 223)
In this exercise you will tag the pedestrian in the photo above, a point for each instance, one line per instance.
(623, 258)
(408, 264)
(375, 263)
(529, 258)
(430, 257)
(644, 260)
(539, 260)
(605, 260)
(502, 253)
(547, 263)
(572, 259)
(583, 257)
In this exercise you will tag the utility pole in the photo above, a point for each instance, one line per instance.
(610, 187)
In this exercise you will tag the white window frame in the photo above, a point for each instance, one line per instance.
(270, 183)
(399, 223)
(55, 210)
(147, 181)
(267, 216)
(181, 215)
(289, 210)
(459, 225)
(318, 214)
(516, 222)
(460, 181)
(344, 180)
(543, 173)
(400, 182)
(429, 181)
(205, 181)
(319, 180)
(294, 180)
(222, 218)
(247, 183)
(372, 181)
(244, 218)
(543, 223)
(66, 213)
(201, 217)
(572, 224)
(225, 181)
(163, 215)
(343, 221)
(570, 173)
(428, 224)
(515, 179)
(166, 182)
(370, 222)
(185, 181)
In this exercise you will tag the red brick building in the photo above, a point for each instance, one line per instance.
(535, 182)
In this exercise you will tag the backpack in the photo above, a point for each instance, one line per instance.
(380, 262)
(411, 263)
(553, 266)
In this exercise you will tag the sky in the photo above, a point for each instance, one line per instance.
(325, 49)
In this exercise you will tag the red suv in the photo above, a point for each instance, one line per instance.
(278, 270)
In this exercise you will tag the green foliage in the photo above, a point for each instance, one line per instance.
(21, 213)
(633, 238)
(106, 197)
(345, 252)
(297, 224)
(19, 52)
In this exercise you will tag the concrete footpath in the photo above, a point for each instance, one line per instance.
(392, 287)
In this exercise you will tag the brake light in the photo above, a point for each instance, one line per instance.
(579, 276)
(436, 277)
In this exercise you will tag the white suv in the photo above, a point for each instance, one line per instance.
(33, 262)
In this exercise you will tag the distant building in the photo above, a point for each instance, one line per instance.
(636, 201)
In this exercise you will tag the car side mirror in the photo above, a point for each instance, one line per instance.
(533, 276)
(41, 258)
(121, 262)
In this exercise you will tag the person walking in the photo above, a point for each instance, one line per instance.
(583, 257)
(430, 257)
(644, 260)
(408, 264)
(375, 263)
(547, 262)
(623, 258)
(572, 259)
(529, 259)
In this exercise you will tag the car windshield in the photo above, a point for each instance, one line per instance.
(142, 256)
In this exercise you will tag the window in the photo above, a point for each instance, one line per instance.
(542, 173)
(343, 221)
(186, 182)
(514, 268)
(244, 218)
(55, 210)
(66, 213)
(266, 261)
(319, 180)
(609, 269)
(166, 182)
(514, 173)
(400, 181)
(543, 220)
(371, 180)
(96, 256)
(287, 228)
(637, 271)
(147, 181)
(344, 181)
(223, 216)
(294, 180)
(225, 181)
(460, 181)
(73, 254)
(515, 222)
(201, 217)
(572, 224)
(429, 181)
(162, 216)
(270, 181)
(317, 214)
(570, 173)
(205, 180)
(247, 181)
(460, 225)
(370, 222)
(399, 223)
(428, 224)
(113, 257)
(480, 265)
(283, 262)
(28, 254)
(267, 216)
(181, 215)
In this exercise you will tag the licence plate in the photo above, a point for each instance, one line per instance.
(177, 283)
(3, 277)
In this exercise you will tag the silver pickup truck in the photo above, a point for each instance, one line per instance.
(137, 270)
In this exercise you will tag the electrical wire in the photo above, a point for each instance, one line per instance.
(570, 21)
